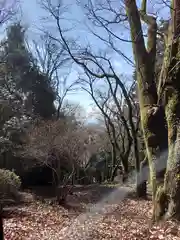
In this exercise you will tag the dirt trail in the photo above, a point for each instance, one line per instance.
(92, 212)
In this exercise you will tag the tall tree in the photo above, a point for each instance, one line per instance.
(110, 104)
(22, 74)
(7, 11)
(97, 65)
(169, 95)
(165, 197)
(151, 112)
(159, 105)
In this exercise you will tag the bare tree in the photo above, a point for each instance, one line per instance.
(110, 102)
(49, 56)
(8, 10)
(56, 64)
(63, 89)
(157, 104)
(96, 65)
(57, 144)
(74, 111)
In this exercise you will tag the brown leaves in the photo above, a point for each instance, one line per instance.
(128, 220)
(35, 221)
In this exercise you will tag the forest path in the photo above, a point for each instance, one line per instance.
(92, 212)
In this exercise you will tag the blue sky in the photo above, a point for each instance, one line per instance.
(32, 14)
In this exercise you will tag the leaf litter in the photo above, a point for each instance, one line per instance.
(129, 219)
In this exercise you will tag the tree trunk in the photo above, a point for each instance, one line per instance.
(141, 181)
(145, 61)
(113, 174)
(113, 160)
(168, 195)
(152, 114)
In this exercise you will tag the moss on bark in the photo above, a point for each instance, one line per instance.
(166, 199)
(161, 203)
(151, 115)
(171, 96)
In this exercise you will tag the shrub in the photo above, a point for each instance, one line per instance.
(9, 184)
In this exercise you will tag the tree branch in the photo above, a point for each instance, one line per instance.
(138, 43)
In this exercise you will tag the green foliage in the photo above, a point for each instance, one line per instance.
(22, 76)
(18, 59)
(9, 184)
(42, 95)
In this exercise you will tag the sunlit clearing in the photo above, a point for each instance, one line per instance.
(83, 226)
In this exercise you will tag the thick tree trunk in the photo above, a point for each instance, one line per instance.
(152, 114)
(145, 66)
(156, 114)
(168, 195)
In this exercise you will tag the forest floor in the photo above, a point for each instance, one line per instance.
(92, 212)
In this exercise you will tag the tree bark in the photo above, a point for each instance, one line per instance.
(142, 179)
(166, 199)
(168, 195)
(152, 114)
(146, 85)
(113, 157)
